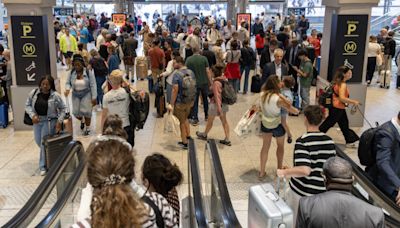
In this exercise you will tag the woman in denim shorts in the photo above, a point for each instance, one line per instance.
(271, 103)
(84, 92)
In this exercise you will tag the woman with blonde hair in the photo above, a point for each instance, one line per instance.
(271, 126)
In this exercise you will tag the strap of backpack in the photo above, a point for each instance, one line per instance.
(159, 218)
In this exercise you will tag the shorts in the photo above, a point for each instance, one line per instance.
(82, 106)
(276, 132)
(213, 111)
(182, 111)
(68, 54)
(284, 112)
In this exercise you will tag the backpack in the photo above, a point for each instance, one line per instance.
(228, 94)
(188, 88)
(326, 98)
(99, 67)
(159, 30)
(138, 108)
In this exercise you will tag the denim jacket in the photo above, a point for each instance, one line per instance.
(89, 79)
(56, 106)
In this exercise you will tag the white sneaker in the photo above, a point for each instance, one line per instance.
(43, 172)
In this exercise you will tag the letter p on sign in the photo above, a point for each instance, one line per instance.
(26, 29)
(351, 28)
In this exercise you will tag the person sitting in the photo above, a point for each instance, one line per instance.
(162, 177)
(311, 151)
(113, 203)
(337, 207)
(386, 171)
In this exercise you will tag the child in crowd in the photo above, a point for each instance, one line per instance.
(288, 83)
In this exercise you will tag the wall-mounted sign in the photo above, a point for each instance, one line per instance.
(31, 48)
(118, 19)
(347, 45)
(63, 11)
(243, 17)
(297, 11)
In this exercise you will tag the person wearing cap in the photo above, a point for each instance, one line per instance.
(337, 207)
(84, 92)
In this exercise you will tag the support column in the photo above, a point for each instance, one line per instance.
(358, 89)
(119, 6)
(130, 7)
(20, 92)
(231, 10)
(241, 5)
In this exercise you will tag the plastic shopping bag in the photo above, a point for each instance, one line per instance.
(249, 124)
(171, 124)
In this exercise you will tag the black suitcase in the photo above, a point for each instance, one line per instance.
(255, 84)
(398, 81)
(54, 145)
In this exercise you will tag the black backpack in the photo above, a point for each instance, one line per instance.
(138, 108)
(326, 98)
(99, 67)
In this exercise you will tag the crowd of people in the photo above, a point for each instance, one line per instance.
(203, 66)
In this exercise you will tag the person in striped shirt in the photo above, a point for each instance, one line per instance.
(311, 151)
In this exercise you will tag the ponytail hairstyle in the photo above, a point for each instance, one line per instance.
(339, 74)
(113, 126)
(110, 169)
(161, 173)
(270, 87)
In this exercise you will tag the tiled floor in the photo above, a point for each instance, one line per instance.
(19, 154)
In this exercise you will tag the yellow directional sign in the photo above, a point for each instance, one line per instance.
(29, 50)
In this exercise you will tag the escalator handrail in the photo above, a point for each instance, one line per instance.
(230, 219)
(58, 207)
(196, 182)
(366, 183)
(39, 197)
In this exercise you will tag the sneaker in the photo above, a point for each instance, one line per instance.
(184, 146)
(82, 125)
(225, 142)
(194, 122)
(201, 135)
(289, 139)
(43, 172)
(86, 132)
(351, 145)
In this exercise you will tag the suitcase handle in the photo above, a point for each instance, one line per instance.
(278, 186)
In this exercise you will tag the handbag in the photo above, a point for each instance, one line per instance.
(379, 60)
(171, 125)
(249, 124)
(27, 118)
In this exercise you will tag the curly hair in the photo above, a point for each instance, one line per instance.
(113, 126)
(113, 205)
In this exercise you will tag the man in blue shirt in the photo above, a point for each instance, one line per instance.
(84, 36)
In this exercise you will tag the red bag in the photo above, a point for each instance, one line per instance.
(232, 71)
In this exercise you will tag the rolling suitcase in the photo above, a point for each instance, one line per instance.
(54, 145)
(267, 209)
(67, 123)
(385, 75)
(3, 115)
(255, 84)
(141, 67)
(398, 81)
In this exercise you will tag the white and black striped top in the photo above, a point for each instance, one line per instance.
(312, 149)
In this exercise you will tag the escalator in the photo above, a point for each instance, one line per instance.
(208, 203)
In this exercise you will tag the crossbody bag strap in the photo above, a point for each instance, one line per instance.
(159, 218)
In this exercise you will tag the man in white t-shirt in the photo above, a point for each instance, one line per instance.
(117, 101)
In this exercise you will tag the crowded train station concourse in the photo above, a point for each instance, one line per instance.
(223, 113)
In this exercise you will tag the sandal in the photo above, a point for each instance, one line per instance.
(262, 176)
(225, 142)
(201, 135)
(289, 139)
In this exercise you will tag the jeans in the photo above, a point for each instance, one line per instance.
(305, 96)
(39, 131)
(169, 92)
(203, 90)
(99, 82)
(235, 84)
(246, 69)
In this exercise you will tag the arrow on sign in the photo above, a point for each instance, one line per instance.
(31, 77)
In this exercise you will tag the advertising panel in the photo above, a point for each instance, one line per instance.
(246, 17)
(118, 19)
(31, 48)
(347, 46)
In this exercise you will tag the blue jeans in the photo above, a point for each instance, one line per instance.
(246, 70)
(99, 82)
(235, 84)
(305, 96)
(39, 131)
(203, 90)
